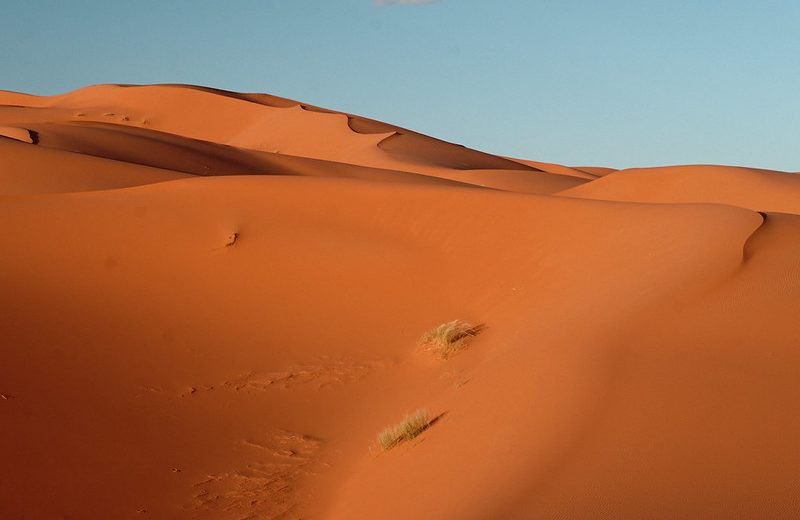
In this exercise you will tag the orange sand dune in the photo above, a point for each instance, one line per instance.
(211, 303)
(241, 121)
(763, 190)
(180, 154)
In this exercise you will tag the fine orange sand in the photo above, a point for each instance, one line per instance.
(210, 305)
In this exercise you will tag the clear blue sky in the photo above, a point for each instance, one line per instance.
(591, 82)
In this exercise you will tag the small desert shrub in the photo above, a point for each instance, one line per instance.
(448, 338)
(406, 430)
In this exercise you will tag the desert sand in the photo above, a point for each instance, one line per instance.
(210, 304)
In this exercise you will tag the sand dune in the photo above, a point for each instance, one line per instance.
(762, 190)
(211, 303)
(242, 121)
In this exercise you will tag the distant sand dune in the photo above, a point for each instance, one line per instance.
(762, 190)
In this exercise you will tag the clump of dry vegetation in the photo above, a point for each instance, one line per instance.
(411, 426)
(448, 338)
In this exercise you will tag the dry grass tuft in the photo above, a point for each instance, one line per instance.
(448, 338)
(411, 426)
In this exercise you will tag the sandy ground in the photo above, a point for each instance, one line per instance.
(210, 303)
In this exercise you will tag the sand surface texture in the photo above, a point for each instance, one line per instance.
(210, 304)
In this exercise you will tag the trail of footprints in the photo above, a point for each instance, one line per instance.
(264, 489)
(268, 488)
(324, 373)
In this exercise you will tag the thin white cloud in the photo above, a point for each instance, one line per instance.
(403, 2)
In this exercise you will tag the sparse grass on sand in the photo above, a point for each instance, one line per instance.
(448, 338)
(411, 426)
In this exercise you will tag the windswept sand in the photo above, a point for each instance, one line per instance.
(210, 306)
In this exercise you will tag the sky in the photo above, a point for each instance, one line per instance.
(619, 83)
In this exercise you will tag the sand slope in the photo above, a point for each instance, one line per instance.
(211, 314)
